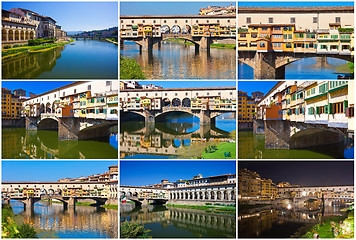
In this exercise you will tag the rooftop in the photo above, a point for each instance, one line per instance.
(295, 9)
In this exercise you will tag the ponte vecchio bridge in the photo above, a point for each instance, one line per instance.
(67, 192)
(201, 30)
(205, 103)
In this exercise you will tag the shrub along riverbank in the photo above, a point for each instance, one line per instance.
(10, 229)
(130, 69)
(14, 51)
(133, 230)
(208, 207)
(332, 227)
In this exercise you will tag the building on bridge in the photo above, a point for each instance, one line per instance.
(269, 38)
(306, 106)
(199, 100)
(87, 99)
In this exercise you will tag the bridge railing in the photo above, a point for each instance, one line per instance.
(49, 115)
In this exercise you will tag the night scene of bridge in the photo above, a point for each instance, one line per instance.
(308, 199)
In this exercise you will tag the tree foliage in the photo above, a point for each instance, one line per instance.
(130, 69)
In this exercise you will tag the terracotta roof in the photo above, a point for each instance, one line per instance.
(295, 9)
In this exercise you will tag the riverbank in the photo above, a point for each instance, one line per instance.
(211, 150)
(207, 208)
(11, 52)
(130, 69)
(333, 227)
(10, 229)
(111, 41)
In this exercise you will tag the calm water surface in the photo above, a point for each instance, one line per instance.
(168, 139)
(168, 222)
(176, 61)
(307, 68)
(253, 146)
(42, 144)
(52, 221)
(86, 59)
(279, 222)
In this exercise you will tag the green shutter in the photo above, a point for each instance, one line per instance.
(309, 111)
(330, 108)
(345, 105)
(326, 109)
(317, 110)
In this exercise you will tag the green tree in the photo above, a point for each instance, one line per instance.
(133, 230)
(130, 69)
(27, 231)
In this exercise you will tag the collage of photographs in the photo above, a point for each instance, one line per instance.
(130, 119)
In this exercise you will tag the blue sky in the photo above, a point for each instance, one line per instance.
(293, 4)
(51, 170)
(74, 16)
(190, 84)
(138, 173)
(167, 8)
(255, 85)
(36, 87)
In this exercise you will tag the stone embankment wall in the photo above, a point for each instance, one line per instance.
(20, 123)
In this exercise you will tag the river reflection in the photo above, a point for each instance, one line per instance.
(253, 146)
(168, 222)
(176, 61)
(51, 220)
(278, 222)
(166, 139)
(84, 59)
(19, 144)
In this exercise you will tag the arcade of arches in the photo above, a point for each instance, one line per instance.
(16, 35)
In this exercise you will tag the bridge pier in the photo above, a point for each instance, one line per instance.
(281, 134)
(204, 117)
(205, 43)
(31, 123)
(72, 201)
(265, 66)
(258, 126)
(147, 44)
(68, 128)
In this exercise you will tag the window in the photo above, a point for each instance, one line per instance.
(186, 21)
(132, 21)
(270, 20)
(197, 21)
(338, 107)
(315, 20)
(143, 21)
(89, 87)
(262, 44)
(292, 20)
(164, 21)
(175, 21)
(248, 20)
(337, 19)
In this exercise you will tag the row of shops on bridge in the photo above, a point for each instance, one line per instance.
(287, 38)
(315, 102)
(198, 30)
(81, 105)
(197, 103)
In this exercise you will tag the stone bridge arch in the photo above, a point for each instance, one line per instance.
(48, 123)
(95, 129)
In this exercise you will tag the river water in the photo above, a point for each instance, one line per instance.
(253, 146)
(169, 222)
(307, 68)
(176, 61)
(51, 221)
(86, 59)
(17, 143)
(278, 222)
(170, 139)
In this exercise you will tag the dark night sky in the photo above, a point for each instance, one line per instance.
(304, 173)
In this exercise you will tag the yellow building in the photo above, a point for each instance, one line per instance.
(11, 105)
(83, 103)
(288, 45)
(246, 107)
